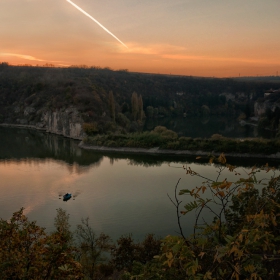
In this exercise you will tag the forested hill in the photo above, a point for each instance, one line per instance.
(89, 90)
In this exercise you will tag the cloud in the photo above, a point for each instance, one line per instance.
(154, 49)
(221, 59)
(179, 53)
(23, 56)
(30, 57)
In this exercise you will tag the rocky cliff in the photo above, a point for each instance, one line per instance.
(271, 103)
(64, 122)
(67, 122)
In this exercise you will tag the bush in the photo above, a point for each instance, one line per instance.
(217, 137)
(90, 128)
(165, 133)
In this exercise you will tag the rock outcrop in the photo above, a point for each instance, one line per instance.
(261, 107)
(66, 122)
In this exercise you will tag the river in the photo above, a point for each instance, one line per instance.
(121, 194)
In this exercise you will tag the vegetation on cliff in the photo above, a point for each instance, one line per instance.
(115, 101)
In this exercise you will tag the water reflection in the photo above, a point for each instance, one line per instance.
(120, 193)
(24, 145)
(206, 126)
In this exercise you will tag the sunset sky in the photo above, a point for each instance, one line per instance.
(219, 38)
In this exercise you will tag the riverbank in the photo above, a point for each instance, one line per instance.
(162, 151)
(158, 151)
(34, 127)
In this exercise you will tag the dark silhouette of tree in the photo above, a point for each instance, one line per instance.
(112, 107)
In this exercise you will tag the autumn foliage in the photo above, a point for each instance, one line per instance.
(27, 252)
(242, 241)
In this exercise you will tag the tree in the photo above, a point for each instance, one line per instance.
(150, 111)
(92, 250)
(134, 106)
(112, 106)
(140, 108)
(126, 252)
(27, 252)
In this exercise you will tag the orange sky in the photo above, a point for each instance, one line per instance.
(188, 37)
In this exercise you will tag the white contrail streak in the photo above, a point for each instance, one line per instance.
(85, 13)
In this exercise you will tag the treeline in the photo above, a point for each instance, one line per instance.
(29, 252)
(105, 97)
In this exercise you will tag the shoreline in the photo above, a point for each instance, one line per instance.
(151, 151)
(23, 126)
(158, 151)
(34, 127)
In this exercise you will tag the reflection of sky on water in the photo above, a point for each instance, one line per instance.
(120, 193)
(119, 198)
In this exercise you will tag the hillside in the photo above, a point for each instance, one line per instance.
(31, 95)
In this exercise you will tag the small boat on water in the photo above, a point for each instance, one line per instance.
(67, 196)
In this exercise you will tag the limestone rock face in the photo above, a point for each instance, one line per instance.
(66, 122)
(261, 107)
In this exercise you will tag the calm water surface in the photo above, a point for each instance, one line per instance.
(121, 194)
(206, 126)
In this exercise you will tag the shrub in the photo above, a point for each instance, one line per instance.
(90, 128)
(165, 133)
(217, 137)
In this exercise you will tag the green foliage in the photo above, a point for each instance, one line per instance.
(134, 105)
(140, 108)
(167, 139)
(165, 133)
(150, 111)
(112, 108)
(122, 120)
(137, 107)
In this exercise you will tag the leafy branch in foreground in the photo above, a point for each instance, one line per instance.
(242, 241)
